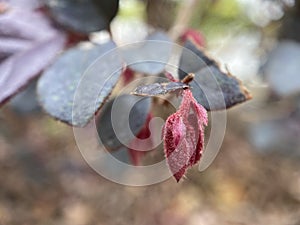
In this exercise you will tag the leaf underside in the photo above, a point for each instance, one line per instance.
(159, 88)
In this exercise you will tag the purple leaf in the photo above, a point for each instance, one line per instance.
(115, 125)
(28, 4)
(211, 87)
(29, 44)
(10, 46)
(159, 88)
(150, 56)
(193, 59)
(25, 25)
(183, 135)
(83, 16)
(16, 71)
(78, 73)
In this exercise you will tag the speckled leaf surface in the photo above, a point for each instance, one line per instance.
(150, 56)
(83, 16)
(71, 74)
(122, 119)
(28, 43)
(212, 88)
(159, 88)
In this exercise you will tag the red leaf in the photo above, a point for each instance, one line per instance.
(194, 35)
(128, 75)
(135, 155)
(183, 135)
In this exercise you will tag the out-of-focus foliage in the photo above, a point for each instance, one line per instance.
(282, 68)
(254, 180)
(83, 16)
(145, 57)
(115, 121)
(28, 43)
(161, 13)
(218, 18)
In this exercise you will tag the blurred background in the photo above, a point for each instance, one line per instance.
(255, 178)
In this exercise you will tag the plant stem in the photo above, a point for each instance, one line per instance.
(184, 15)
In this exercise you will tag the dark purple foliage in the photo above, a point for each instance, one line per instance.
(28, 43)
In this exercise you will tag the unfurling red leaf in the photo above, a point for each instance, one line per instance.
(212, 88)
(183, 135)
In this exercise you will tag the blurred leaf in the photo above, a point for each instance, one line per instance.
(211, 87)
(28, 45)
(28, 4)
(157, 16)
(194, 35)
(193, 58)
(122, 119)
(150, 56)
(290, 26)
(132, 9)
(84, 16)
(12, 46)
(25, 102)
(159, 88)
(280, 135)
(282, 68)
(25, 25)
(58, 85)
(218, 18)
(226, 8)
(134, 153)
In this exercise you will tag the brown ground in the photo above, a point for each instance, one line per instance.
(44, 180)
